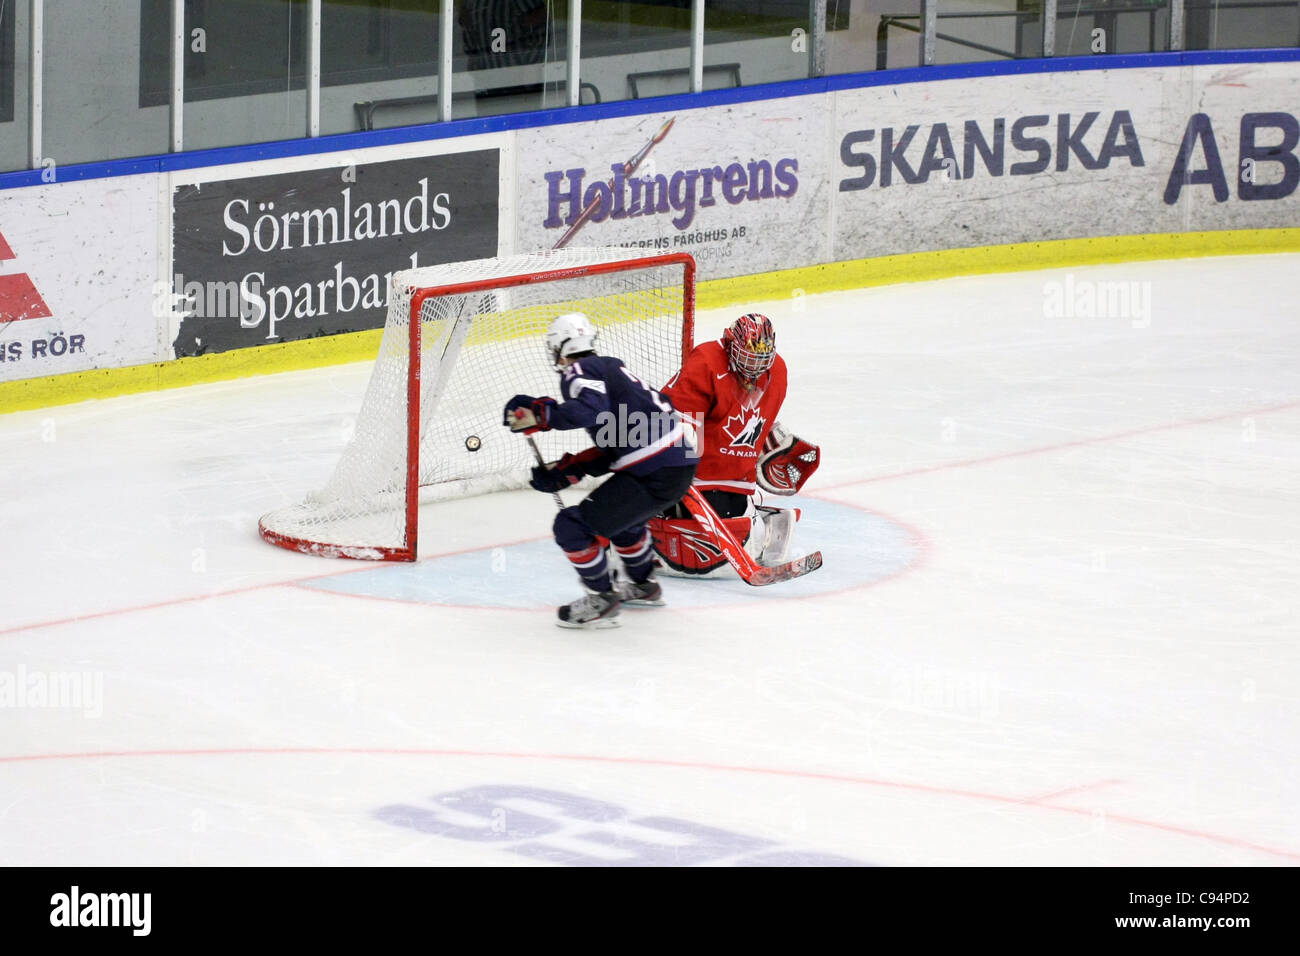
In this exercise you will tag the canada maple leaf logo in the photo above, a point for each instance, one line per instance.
(744, 429)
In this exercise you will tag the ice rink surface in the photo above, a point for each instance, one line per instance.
(1057, 622)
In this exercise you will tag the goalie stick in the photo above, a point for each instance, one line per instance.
(750, 571)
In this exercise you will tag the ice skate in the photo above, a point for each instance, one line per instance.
(645, 593)
(593, 609)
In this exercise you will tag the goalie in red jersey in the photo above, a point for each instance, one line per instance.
(732, 389)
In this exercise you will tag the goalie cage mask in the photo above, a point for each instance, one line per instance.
(751, 345)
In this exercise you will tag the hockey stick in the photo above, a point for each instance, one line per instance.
(537, 453)
(750, 571)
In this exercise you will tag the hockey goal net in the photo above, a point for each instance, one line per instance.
(460, 339)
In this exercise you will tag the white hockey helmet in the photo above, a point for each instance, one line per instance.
(570, 334)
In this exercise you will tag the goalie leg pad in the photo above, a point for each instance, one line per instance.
(773, 527)
(686, 549)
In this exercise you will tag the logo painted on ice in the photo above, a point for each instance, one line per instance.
(549, 825)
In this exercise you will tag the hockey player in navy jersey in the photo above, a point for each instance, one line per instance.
(639, 437)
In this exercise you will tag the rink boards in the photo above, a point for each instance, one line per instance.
(139, 274)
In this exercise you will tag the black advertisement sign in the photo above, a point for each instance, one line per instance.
(297, 255)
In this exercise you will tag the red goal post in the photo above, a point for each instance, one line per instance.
(460, 339)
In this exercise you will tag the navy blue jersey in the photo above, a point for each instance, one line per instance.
(632, 423)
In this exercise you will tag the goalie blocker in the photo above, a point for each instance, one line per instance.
(685, 548)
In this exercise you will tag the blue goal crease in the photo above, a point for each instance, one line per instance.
(860, 547)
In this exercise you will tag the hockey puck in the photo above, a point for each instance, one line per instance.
(473, 443)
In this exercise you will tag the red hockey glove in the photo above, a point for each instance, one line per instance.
(526, 414)
(569, 470)
(592, 462)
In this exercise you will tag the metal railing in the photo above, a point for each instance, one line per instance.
(901, 21)
(914, 23)
(366, 109)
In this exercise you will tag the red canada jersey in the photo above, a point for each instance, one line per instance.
(736, 419)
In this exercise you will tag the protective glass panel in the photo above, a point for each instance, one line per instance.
(91, 84)
(14, 66)
(509, 56)
(635, 50)
(755, 41)
(1237, 24)
(379, 64)
(973, 30)
(244, 68)
(1094, 27)
(881, 34)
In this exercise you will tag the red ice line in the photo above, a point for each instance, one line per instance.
(354, 568)
(1061, 446)
(1057, 794)
(1038, 802)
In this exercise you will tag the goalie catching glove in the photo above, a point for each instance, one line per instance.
(569, 470)
(529, 415)
(786, 462)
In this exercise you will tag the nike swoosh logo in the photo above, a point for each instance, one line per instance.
(723, 375)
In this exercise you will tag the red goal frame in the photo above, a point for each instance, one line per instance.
(407, 551)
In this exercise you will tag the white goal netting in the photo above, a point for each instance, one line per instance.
(481, 340)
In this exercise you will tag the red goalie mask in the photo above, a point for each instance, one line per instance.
(751, 345)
